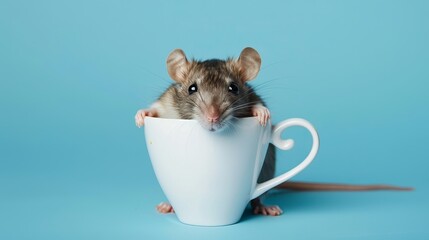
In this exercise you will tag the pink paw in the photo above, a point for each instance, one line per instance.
(262, 113)
(164, 208)
(142, 113)
(267, 210)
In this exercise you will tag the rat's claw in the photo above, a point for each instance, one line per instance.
(164, 208)
(142, 113)
(267, 115)
(139, 118)
(267, 210)
(262, 113)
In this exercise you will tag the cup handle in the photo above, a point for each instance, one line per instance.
(286, 144)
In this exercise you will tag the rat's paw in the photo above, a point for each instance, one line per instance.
(164, 208)
(267, 210)
(262, 113)
(141, 114)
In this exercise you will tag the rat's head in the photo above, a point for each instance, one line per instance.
(214, 91)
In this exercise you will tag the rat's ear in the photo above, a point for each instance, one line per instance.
(177, 65)
(249, 63)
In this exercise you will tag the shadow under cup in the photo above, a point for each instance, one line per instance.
(209, 177)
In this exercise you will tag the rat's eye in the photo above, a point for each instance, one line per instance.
(193, 88)
(233, 88)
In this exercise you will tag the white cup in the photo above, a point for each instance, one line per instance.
(209, 177)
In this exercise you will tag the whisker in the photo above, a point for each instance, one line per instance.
(245, 105)
(231, 127)
(246, 93)
(202, 99)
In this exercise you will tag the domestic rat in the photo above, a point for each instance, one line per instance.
(215, 92)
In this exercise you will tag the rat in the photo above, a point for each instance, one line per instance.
(216, 92)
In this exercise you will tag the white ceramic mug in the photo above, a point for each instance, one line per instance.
(209, 177)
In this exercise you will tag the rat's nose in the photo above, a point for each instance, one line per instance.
(213, 119)
(212, 114)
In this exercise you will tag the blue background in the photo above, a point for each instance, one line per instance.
(73, 73)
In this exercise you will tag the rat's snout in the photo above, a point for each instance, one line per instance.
(213, 114)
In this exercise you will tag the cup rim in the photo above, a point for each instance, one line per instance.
(186, 120)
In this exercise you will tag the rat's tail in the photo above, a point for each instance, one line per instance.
(307, 186)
